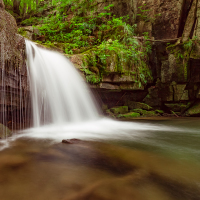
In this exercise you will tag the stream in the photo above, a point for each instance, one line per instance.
(140, 160)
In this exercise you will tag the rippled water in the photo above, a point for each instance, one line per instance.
(142, 160)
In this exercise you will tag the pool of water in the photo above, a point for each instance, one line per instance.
(140, 160)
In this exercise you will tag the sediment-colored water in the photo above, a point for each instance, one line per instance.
(143, 164)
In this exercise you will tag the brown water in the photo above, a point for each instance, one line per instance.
(160, 166)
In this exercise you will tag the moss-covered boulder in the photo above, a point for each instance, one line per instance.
(119, 110)
(129, 115)
(176, 107)
(194, 110)
(159, 112)
(138, 105)
(146, 113)
(4, 132)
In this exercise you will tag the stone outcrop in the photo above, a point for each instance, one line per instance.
(160, 17)
(13, 80)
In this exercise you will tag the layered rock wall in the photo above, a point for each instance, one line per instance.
(13, 76)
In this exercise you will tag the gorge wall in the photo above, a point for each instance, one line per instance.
(173, 27)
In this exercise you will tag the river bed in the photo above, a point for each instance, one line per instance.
(160, 163)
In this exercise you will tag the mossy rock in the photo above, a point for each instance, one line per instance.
(4, 132)
(138, 105)
(129, 115)
(145, 113)
(176, 107)
(119, 110)
(159, 111)
(194, 110)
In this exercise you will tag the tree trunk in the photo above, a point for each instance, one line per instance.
(24, 9)
(29, 6)
(16, 4)
(37, 3)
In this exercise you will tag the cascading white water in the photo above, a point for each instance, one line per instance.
(59, 94)
(63, 107)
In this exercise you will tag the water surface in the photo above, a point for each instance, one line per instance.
(145, 160)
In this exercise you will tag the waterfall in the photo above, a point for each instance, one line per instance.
(59, 93)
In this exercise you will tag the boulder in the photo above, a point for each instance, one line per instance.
(29, 32)
(119, 110)
(129, 115)
(176, 107)
(194, 110)
(146, 113)
(4, 132)
(138, 105)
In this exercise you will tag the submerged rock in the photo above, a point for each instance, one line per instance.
(71, 141)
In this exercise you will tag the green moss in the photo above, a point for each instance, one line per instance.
(129, 115)
(145, 113)
(194, 110)
(159, 111)
(119, 110)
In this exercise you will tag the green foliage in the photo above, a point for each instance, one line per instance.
(76, 31)
(145, 14)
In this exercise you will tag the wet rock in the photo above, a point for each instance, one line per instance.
(159, 112)
(176, 107)
(109, 86)
(138, 105)
(29, 32)
(119, 110)
(71, 141)
(4, 132)
(109, 113)
(129, 115)
(146, 113)
(194, 110)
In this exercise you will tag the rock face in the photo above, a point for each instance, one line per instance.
(163, 17)
(13, 79)
(2, 4)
